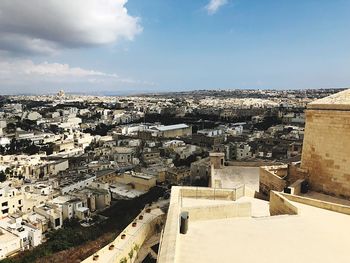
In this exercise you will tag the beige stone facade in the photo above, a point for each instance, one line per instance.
(139, 181)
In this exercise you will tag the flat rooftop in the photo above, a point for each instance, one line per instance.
(143, 176)
(315, 235)
(233, 176)
(6, 236)
(172, 127)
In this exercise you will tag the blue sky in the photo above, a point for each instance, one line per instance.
(170, 45)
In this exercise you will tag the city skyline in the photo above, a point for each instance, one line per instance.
(124, 47)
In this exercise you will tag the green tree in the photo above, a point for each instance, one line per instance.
(136, 247)
(2, 176)
(131, 254)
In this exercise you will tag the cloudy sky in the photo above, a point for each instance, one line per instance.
(132, 46)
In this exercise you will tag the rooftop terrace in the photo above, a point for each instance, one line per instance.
(232, 226)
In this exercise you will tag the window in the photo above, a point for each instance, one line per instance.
(4, 204)
(5, 211)
(57, 222)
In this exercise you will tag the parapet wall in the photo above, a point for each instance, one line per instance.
(279, 205)
(271, 181)
(212, 193)
(131, 239)
(212, 212)
(344, 209)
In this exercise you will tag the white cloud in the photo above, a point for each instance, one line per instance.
(28, 73)
(45, 26)
(213, 6)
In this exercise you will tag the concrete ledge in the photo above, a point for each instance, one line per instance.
(280, 205)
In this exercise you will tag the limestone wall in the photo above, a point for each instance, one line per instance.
(296, 173)
(326, 151)
(270, 181)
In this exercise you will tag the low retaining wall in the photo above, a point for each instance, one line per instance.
(129, 241)
(344, 209)
(270, 181)
(219, 211)
(280, 205)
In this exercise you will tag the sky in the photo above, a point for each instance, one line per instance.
(121, 47)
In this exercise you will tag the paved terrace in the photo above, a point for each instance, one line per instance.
(316, 235)
(205, 203)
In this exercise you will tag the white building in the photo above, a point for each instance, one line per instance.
(52, 213)
(243, 151)
(11, 200)
(30, 235)
(33, 116)
(4, 140)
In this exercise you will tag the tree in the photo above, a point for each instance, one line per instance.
(2, 176)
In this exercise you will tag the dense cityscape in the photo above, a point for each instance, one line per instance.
(76, 170)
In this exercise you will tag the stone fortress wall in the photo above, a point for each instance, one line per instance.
(326, 150)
